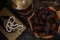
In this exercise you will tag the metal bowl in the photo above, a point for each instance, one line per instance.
(20, 4)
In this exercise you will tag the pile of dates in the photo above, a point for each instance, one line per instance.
(44, 22)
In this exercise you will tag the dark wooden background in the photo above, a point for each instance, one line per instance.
(28, 34)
